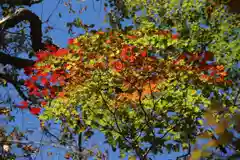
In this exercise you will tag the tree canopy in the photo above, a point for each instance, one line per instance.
(155, 86)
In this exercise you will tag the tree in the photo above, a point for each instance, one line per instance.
(118, 81)
(14, 40)
(140, 85)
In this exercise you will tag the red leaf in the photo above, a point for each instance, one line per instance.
(61, 52)
(144, 53)
(212, 73)
(54, 77)
(53, 95)
(41, 73)
(163, 32)
(24, 104)
(45, 92)
(229, 82)
(36, 93)
(41, 55)
(44, 81)
(51, 48)
(35, 110)
(70, 41)
(205, 77)
(132, 58)
(105, 9)
(53, 92)
(47, 66)
(27, 70)
(61, 82)
(124, 54)
(175, 36)
(34, 78)
(28, 83)
(208, 56)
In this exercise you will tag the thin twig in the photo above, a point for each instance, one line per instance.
(187, 154)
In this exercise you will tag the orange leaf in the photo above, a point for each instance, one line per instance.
(43, 103)
(61, 94)
(223, 74)
(108, 41)
(131, 37)
(118, 66)
(100, 33)
(67, 156)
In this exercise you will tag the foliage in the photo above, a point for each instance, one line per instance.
(147, 87)
(139, 87)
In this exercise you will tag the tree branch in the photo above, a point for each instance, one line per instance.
(187, 154)
(23, 14)
(14, 83)
(15, 61)
(20, 2)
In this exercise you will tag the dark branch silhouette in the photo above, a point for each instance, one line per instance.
(21, 15)
(15, 61)
(20, 2)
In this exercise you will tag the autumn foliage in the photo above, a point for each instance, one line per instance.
(117, 71)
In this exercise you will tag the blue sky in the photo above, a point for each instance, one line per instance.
(24, 119)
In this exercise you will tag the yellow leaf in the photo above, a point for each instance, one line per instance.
(132, 158)
(3, 81)
(221, 127)
(210, 118)
(206, 153)
(225, 138)
(196, 155)
(4, 111)
(216, 106)
(212, 143)
(204, 135)
(194, 91)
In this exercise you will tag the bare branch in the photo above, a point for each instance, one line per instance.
(187, 154)
(236, 98)
(41, 143)
(15, 61)
(20, 2)
(10, 79)
(14, 83)
(23, 14)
